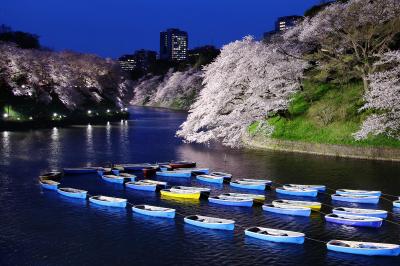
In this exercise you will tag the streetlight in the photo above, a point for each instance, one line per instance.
(30, 118)
(5, 115)
(108, 110)
(89, 112)
(55, 114)
(126, 109)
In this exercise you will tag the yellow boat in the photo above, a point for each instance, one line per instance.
(180, 194)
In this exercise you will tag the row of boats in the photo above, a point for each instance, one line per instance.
(342, 215)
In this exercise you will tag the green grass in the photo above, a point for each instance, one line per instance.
(325, 113)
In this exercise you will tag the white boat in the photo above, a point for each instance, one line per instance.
(154, 182)
(256, 197)
(264, 181)
(358, 192)
(154, 211)
(210, 222)
(317, 187)
(361, 212)
(203, 190)
(301, 192)
(364, 248)
(108, 201)
(275, 235)
(313, 205)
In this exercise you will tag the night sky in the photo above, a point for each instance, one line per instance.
(114, 27)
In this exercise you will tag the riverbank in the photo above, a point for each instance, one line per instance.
(370, 153)
(78, 120)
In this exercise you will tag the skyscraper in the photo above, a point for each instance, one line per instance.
(173, 45)
(284, 23)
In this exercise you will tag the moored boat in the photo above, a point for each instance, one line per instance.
(174, 173)
(80, 170)
(136, 166)
(108, 201)
(155, 182)
(265, 181)
(317, 187)
(275, 235)
(182, 164)
(302, 192)
(231, 201)
(181, 194)
(113, 179)
(49, 184)
(210, 222)
(72, 192)
(226, 176)
(149, 171)
(198, 171)
(364, 248)
(202, 190)
(128, 177)
(104, 171)
(154, 211)
(287, 210)
(358, 192)
(396, 203)
(313, 205)
(55, 176)
(353, 220)
(248, 185)
(210, 179)
(140, 185)
(356, 198)
(255, 197)
(361, 212)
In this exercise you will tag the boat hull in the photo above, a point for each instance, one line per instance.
(108, 203)
(181, 195)
(366, 193)
(210, 180)
(221, 226)
(369, 200)
(78, 195)
(260, 186)
(161, 214)
(311, 193)
(287, 211)
(173, 174)
(382, 214)
(374, 224)
(113, 180)
(247, 203)
(149, 187)
(291, 240)
(396, 204)
(367, 252)
(48, 186)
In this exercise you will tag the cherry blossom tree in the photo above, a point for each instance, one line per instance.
(247, 82)
(383, 96)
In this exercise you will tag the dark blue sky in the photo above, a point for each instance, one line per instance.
(114, 27)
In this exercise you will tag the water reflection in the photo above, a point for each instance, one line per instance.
(89, 142)
(55, 150)
(108, 140)
(5, 148)
(124, 141)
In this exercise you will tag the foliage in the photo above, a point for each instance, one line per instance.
(21, 39)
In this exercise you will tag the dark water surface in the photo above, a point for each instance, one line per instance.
(40, 227)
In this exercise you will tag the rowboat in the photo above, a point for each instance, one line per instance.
(80, 170)
(203, 190)
(140, 185)
(396, 203)
(180, 173)
(226, 176)
(72, 192)
(287, 210)
(358, 192)
(361, 212)
(255, 197)
(211, 178)
(231, 201)
(302, 192)
(155, 182)
(135, 166)
(353, 220)
(297, 203)
(356, 198)
(113, 179)
(316, 187)
(264, 181)
(195, 170)
(275, 235)
(49, 184)
(180, 194)
(364, 248)
(128, 177)
(182, 164)
(210, 222)
(248, 185)
(55, 176)
(154, 211)
(108, 201)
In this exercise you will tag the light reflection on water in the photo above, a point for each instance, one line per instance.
(55, 149)
(5, 147)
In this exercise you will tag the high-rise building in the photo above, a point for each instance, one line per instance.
(173, 45)
(287, 22)
(127, 62)
(140, 60)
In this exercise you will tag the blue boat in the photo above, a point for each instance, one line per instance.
(364, 248)
(248, 185)
(80, 170)
(174, 173)
(287, 210)
(139, 185)
(210, 179)
(358, 192)
(396, 203)
(231, 201)
(210, 222)
(55, 176)
(104, 171)
(49, 184)
(317, 187)
(264, 181)
(198, 171)
(226, 176)
(154, 211)
(203, 190)
(113, 179)
(360, 212)
(108, 201)
(352, 220)
(356, 198)
(72, 192)
(128, 177)
(275, 235)
(302, 192)
(135, 166)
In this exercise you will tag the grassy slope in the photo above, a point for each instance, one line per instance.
(325, 113)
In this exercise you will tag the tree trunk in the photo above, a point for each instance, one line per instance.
(365, 82)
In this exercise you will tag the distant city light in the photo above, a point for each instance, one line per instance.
(30, 118)
(55, 114)
(126, 109)
(122, 109)
(108, 110)
(89, 112)
(23, 86)
(5, 115)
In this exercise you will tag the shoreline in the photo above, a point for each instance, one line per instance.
(365, 153)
